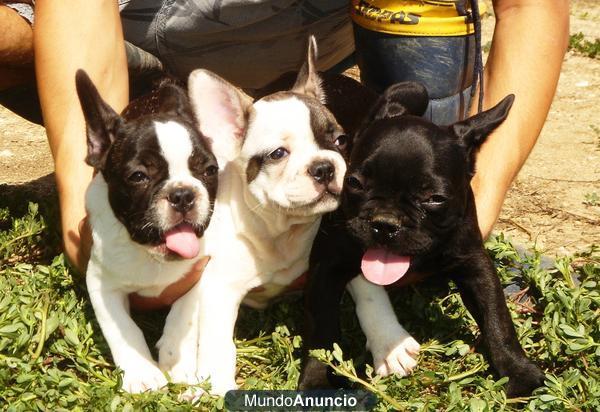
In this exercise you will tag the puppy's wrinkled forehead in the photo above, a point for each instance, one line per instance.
(408, 150)
(391, 142)
(175, 143)
(163, 148)
(288, 114)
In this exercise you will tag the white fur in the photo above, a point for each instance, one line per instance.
(394, 350)
(118, 266)
(286, 123)
(224, 121)
(260, 234)
(176, 147)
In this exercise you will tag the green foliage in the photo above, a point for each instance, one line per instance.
(596, 131)
(54, 357)
(578, 43)
(24, 234)
(591, 199)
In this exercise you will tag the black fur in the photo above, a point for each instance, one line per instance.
(417, 176)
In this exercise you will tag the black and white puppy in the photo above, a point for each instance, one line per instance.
(281, 169)
(148, 206)
(408, 210)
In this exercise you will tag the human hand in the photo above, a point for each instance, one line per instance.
(82, 255)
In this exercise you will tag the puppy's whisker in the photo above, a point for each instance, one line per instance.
(255, 208)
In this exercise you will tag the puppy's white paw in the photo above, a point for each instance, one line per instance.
(191, 394)
(220, 383)
(143, 377)
(395, 353)
(178, 359)
(181, 369)
(181, 373)
(216, 363)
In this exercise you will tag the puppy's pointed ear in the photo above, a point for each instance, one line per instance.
(174, 99)
(308, 81)
(401, 99)
(101, 120)
(472, 132)
(221, 110)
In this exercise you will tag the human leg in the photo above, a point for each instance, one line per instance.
(65, 34)
(17, 80)
(16, 49)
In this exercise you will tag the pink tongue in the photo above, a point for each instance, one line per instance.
(183, 241)
(382, 267)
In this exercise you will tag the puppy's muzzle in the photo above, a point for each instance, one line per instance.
(182, 199)
(385, 227)
(322, 171)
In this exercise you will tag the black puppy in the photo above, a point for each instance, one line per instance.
(407, 211)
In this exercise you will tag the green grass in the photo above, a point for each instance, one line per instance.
(591, 199)
(596, 131)
(53, 356)
(578, 43)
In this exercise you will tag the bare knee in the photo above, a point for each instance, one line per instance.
(16, 49)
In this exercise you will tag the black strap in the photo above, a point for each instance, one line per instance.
(478, 67)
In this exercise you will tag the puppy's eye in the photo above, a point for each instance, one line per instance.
(278, 153)
(435, 200)
(341, 141)
(353, 182)
(138, 177)
(210, 171)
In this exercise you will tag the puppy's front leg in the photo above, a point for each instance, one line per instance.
(394, 350)
(218, 311)
(325, 287)
(197, 342)
(178, 345)
(129, 349)
(482, 294)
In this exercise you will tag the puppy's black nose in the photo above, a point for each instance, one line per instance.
(322, 171)
(182, 199)
(384, 227)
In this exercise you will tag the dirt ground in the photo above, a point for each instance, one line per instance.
(546, 204)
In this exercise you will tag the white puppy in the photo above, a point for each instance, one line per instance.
(280, 171)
